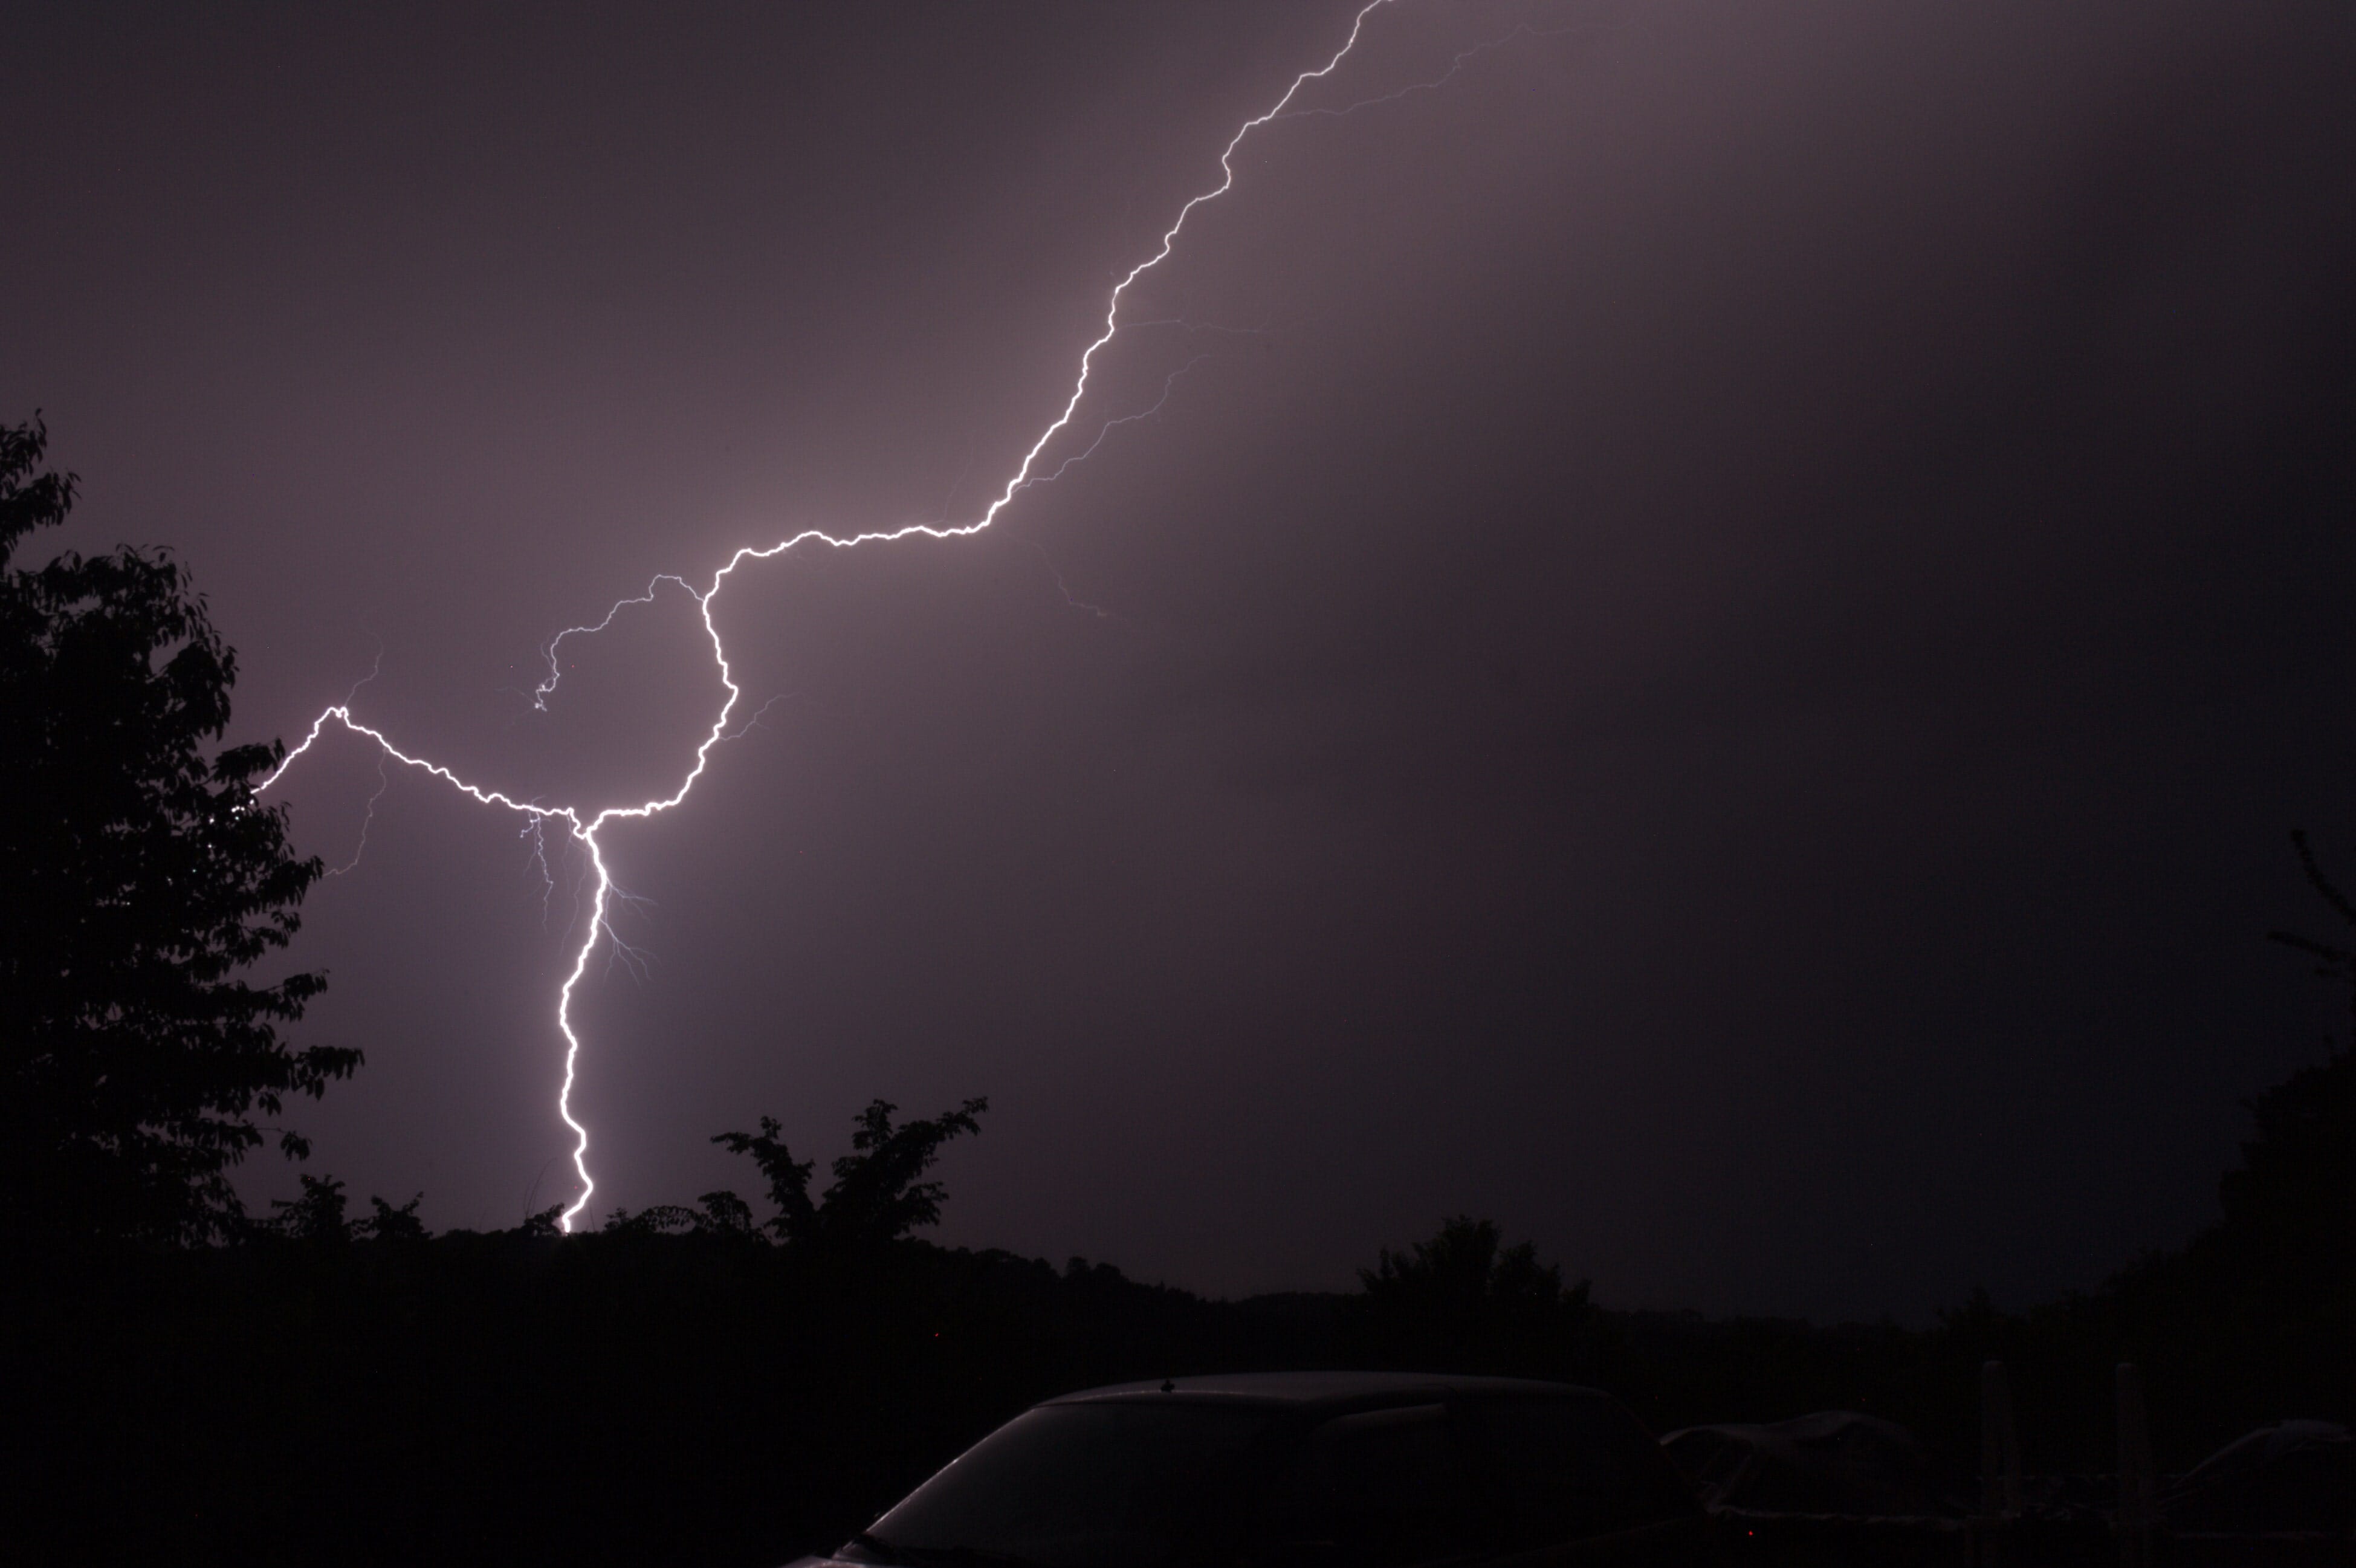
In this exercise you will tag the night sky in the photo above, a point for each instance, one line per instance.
(1712, 654)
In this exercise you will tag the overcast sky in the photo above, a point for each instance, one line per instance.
(1711, 652)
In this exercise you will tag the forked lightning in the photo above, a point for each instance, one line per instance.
(585, 826)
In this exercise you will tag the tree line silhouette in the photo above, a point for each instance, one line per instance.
(187, 1380)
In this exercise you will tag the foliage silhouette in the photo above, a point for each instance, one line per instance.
(2297, 1176)
(2334, 963)
(717, 1213)
(876, 1196)
(2293, 1198)
(1464, 1268)
(1462, 1301)
(136, 878)
(317, 1217)
(390, 1224)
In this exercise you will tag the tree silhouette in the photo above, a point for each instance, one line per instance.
(1465, 1267)
(876, 1195)
(390, 1224)
(2296, 1187)
(2335, 963)
(317, 1217)
(136, 878)
(722, 1213)
(1465, 1299)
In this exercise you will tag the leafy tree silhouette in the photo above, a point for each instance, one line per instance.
(390, 1224)
(2296, 1187)
(1465, 1297)
(317, 1217)
(2337, 964)
(1465, 1267)
(876, 1195)
(719, 1213)
(136, 877)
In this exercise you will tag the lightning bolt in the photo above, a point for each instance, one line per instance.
(586, 827)
(383, 780)
(1455, 69)
(1168, 385)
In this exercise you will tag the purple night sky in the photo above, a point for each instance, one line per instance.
(1712, 655)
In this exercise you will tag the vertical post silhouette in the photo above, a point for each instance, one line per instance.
(2136, 1510)
(1991, 1532)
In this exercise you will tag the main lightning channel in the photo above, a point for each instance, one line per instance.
(586, 827)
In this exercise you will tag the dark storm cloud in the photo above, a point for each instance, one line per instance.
(1711, 655)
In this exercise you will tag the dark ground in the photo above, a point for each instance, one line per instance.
(718, 1399)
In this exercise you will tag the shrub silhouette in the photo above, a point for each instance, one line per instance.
(876, 1196)
(317, 1216)
(1465, 1299)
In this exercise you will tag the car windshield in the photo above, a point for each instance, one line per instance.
(1158, 1484)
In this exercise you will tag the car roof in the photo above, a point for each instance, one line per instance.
(1306, 1390)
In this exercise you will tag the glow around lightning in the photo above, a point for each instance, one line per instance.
(585, 826)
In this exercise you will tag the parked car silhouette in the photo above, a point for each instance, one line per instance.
(1312, 1468)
